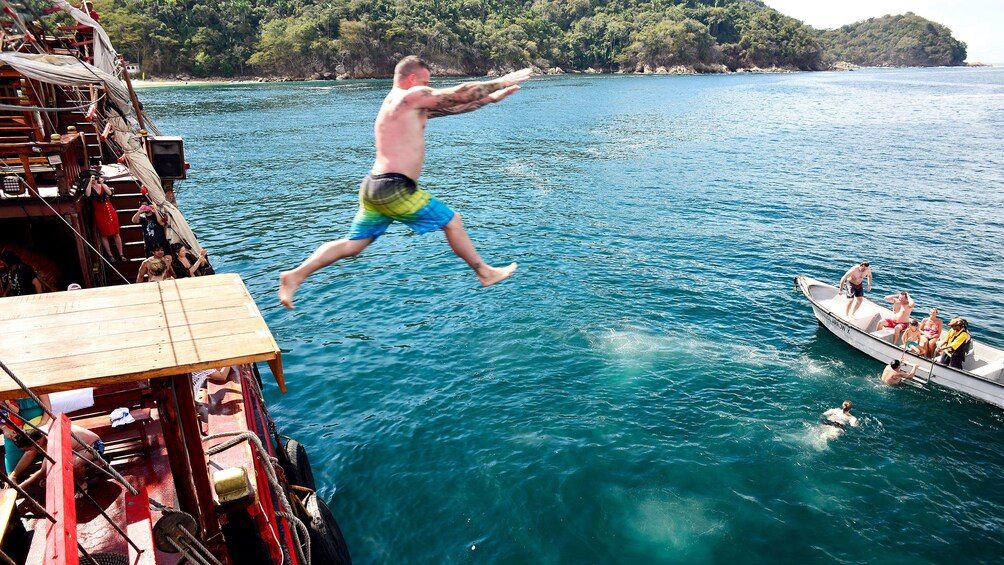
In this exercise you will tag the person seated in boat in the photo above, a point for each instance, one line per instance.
(911, 338)
(902, 306)
(840, 417)
(81, 455)
(186, 264)
(893, 373)
(153, 224)
(158, 253)
(930, 329)
(955, 344)
(157, 270)
(855, 278)
(17, 278)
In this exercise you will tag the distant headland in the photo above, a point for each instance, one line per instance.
(311, 39)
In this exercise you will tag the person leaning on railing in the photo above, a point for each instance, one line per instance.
(953, 347)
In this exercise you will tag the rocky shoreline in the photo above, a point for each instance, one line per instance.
(445, 72)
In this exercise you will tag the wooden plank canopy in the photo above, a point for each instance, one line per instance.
(81, 338)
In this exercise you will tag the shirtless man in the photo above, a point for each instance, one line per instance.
(840, 417)
(902, 306)
(158, 253)
(390, 192)
(855, 278)
(892, 375)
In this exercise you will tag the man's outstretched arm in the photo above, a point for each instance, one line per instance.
(496, 96)
(467, 93)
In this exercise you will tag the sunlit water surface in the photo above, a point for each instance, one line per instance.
(647, 388)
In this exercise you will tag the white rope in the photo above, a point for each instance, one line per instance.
(267, 463)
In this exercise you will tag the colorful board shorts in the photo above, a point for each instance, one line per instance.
(390, 197)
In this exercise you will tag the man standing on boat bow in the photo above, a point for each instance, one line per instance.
(855, 279)
(390, 192)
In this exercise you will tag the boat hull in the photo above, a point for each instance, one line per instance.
(986, 388)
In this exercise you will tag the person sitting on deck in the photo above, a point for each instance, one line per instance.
(953, 348)
(855, 279)
(153, 223)
(17, 279)
(930, 329)
(911, 338)
(158, 253)
(18, 416)
(902, 306)
(186, 264)
(157, 270)
(893, 375)
(81, 455)
(199, 378)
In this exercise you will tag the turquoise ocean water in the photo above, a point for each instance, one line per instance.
(647, 388)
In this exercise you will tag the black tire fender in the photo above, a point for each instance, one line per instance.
(327, 545)
(296, 464)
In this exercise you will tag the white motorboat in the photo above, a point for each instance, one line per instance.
(983, 368)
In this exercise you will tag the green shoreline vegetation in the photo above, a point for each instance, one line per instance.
(365, 38)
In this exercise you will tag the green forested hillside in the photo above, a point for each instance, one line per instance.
(364, 38)
(907, 40)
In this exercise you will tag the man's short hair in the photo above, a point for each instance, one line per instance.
(864, 264)
(847, 405)
(895, 364)
(409, 65)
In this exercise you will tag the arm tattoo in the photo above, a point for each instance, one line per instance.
(458, 109)
(465, 94)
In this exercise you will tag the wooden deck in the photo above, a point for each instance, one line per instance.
(68, 340)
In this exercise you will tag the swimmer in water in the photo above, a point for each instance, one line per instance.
(892, 375)
(840, 417)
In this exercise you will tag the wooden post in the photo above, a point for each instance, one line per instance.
(132, 94)
(29, 178)
(83, 254)
(188, 416)
(177, 454)
(61, 536)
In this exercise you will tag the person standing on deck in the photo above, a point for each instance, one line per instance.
(855, 278)
(390, 191)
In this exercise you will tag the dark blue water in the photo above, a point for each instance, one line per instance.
(647, 388)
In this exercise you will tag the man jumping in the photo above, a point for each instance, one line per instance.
(390, 191)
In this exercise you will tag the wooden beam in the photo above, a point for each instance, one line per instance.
(188, 417)
(61, 536)
(177, 453)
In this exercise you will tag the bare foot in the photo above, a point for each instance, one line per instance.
(288, 283)
(489, 275)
